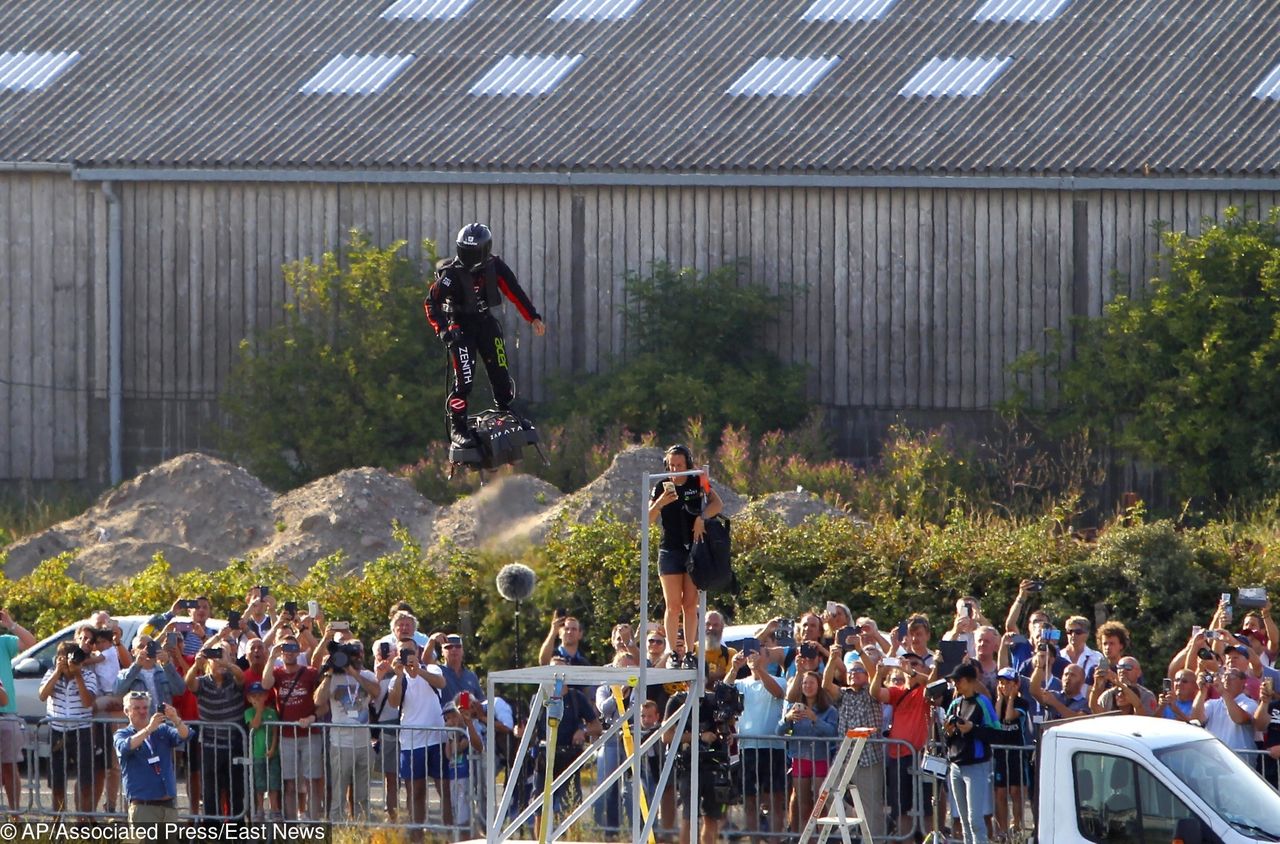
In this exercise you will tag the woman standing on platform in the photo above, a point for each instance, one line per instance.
(679, 502)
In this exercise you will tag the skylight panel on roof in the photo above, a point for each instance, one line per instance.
(847, 10)
(418, 10)
(1269, 88)
(525, 75)
(954, 77)
(594, 10)
(32, 71)
(1020, 11)
(782, 77)
(355, 74)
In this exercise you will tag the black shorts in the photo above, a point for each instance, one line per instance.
(764, 770)
(72, 750)
(1011, 767)
(673, 561)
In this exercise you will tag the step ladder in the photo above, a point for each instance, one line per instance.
(838, 783)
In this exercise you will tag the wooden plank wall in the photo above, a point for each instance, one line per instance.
(912, 300)
(50, 262)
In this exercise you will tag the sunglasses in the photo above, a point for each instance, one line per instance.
(1076, 632)
(1126, 666)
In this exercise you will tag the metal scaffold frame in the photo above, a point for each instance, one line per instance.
(550, 677)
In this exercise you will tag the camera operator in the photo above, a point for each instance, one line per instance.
(218, 684)
(971, 727)
(68, 690)
(345, 689)
(413, 692)
(719, 709)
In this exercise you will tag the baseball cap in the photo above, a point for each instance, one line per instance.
(254, 688)
(964, 671)
(1007, 674)
(453, 640)
(449, 707)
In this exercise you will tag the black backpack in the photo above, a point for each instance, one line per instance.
(709, 563)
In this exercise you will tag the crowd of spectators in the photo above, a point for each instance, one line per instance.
(321, 715)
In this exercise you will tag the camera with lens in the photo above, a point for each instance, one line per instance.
(77, 655)
(722, 705)
(341, 655)
(954, 719)
(937, 691)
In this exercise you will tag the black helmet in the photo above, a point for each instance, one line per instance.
(475, 245)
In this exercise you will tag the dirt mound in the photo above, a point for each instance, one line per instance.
(796, 506)
(199, 510)
(508, 511)
(352, 512)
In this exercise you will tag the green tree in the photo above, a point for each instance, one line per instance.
(349, 377)
(695, 349)
(1187, 375)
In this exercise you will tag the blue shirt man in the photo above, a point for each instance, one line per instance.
(146, 748)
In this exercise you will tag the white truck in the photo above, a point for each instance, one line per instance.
(1129, 778)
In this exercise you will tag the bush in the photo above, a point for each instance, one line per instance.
(695, 349)
(346, 379)
(1187, 375)
(1155, 578)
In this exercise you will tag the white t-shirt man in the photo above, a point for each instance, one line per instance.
(349, 707)
(420, 707)
(1217, 720)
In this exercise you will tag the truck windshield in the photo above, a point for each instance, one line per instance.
(1231, 788)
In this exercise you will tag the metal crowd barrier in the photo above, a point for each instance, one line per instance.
(218, 780)
(358, 784)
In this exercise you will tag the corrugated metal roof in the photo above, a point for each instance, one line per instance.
(419, 10)
(847, 10)
(23, 71)
(954, 77)
(782, 76)
(355, 74)
(1020, 11)
(1269, 88)
(595, 10)
(525, 75)
(1106, 87)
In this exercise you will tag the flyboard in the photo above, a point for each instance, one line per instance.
(500, 438)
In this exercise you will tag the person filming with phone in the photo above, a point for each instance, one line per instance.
(152, 672)
(145, 749)
(218, 684)
(683, 504)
